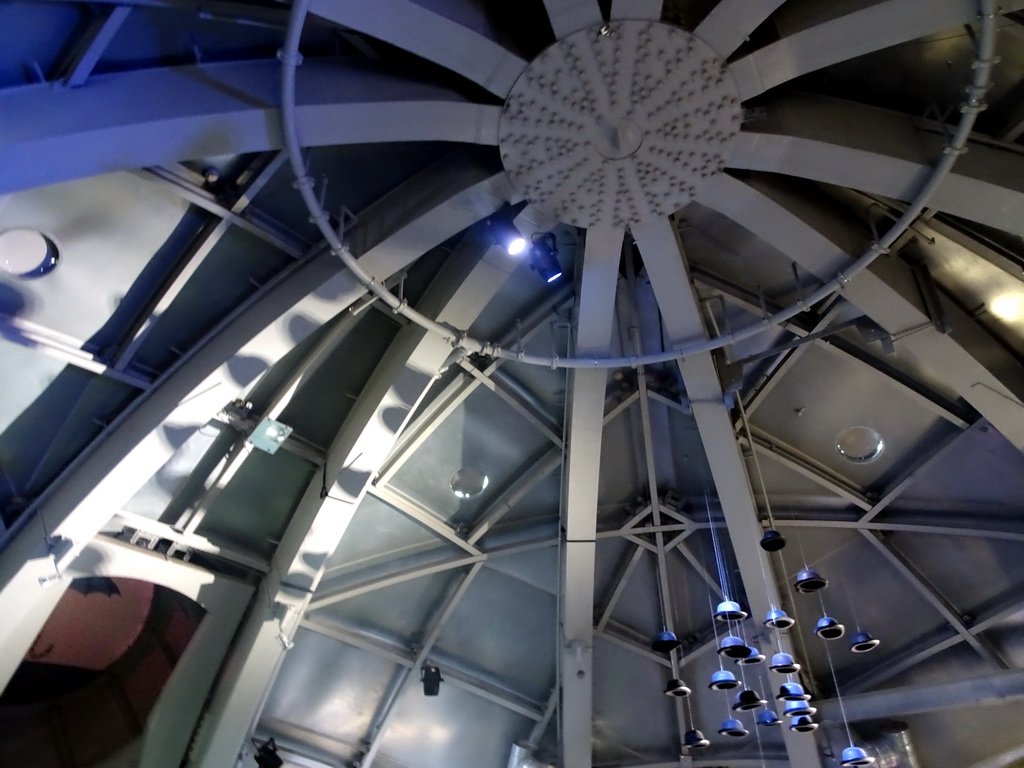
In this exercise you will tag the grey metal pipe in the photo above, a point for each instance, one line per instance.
(973, 104)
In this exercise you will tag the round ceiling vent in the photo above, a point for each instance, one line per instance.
(859, 444)
(27, 253)
(467, 482)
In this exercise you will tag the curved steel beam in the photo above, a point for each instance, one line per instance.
(217, 109)
(879, 26)
(825, 139)
(449, 40)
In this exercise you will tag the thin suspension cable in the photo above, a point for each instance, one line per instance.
(757, 463)
(973, 104)
(839, 696)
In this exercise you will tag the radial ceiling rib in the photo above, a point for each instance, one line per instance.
(636, 9)
(99, 482)
(820, 242)
(429, 34)
(731, 21)
(884, 153)
(457, 295)
(595, 316)
(681, 319)
(879, 26)
(567, 16)
(217, 109)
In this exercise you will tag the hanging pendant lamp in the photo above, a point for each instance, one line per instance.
(799, 707)
(694, 739)
(809, 580)
(729, 610)
(746, 700)
(767, 717)
(772, 541)
(676, 687)
(784, 664)
(733, 647)
(723, 680)
(754, 657)
(777, 619)
(665, 642)
(792, 692)
(855, 756)
(732, 727)
(802, 724)
(862, 642)
(829, 629)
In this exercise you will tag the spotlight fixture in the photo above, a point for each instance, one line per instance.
(27, 253)
(747, 700)
(677, 687)
(723, 680)
(772, 541)
(802, 724)
(694, 739)
(430, 676)
(829, 629)
(266, 755)
(734, 648)
(544, 256)
(732, 727)
(767, 717)
(853, 756)
(777, 619)
(809, 580)
(784, 664)
(728, 610)
(504, 232)
(862, 642)
(665, 642)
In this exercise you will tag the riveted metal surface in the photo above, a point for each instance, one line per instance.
(618, 124)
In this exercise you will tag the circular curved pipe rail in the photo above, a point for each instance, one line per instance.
(972, 105)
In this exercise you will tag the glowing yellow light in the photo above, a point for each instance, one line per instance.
(1008, 306)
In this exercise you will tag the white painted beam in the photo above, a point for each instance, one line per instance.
(568, 16)
(217, 109)
(594, 319)
(881, 25)
(731, 22)
(822, 243)
(825, 139)
(439, 38)
(681, 318)
(457, 295)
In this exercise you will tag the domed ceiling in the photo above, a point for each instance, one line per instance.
(771, 280)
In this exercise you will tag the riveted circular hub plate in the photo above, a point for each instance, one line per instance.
(619, 124)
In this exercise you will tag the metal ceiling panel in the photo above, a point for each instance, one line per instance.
(253, 510)
(621, 471)
(26, 373)
(983, 473)
(505, 628)
(637, 608)
(959, 743)
(377, 532)
(328, 687)
(454, 730)
(788, 489)
(846, 394)
(538, 568)
(398, 612)
(484, 432)
(632, 717)
(100, 259)
(154, 495)
(540, 503)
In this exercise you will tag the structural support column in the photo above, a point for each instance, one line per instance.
(594, 318)
(666, 267)
(457, 295)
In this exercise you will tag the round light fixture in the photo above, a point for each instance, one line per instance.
(27, 253)
(859, 444)
(1007, 306)
(467, 482)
